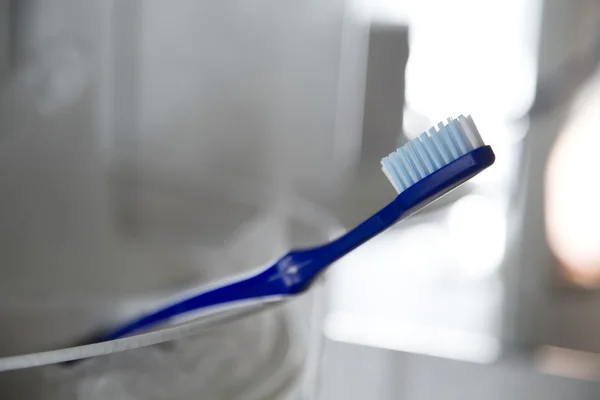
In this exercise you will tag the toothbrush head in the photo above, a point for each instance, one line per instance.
(437, 161)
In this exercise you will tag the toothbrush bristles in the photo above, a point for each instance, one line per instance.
(430, 151)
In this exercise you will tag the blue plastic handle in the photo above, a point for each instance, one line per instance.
(296, 271)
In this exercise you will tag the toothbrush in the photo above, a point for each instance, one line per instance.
(421, 171)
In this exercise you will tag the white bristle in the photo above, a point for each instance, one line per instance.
(436, 137)
(431, 151)
(390, 177)
(460, 140)
(470, 130)
(408, 166)
(422, 151)
(445, 135)
(416, 160)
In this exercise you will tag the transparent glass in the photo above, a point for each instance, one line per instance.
(150, 147)
(271, 354)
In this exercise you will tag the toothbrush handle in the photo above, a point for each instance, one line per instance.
(373, 226)
(303, 266)
(265, 283)
(292, 274)
(296, 271)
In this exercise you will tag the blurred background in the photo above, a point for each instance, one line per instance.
(124, 125)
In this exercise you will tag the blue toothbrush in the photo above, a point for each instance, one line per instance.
(421, 171)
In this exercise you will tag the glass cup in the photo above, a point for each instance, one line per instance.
(272, 354)
(139, 140)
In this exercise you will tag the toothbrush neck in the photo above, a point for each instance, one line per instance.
(368, 229)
